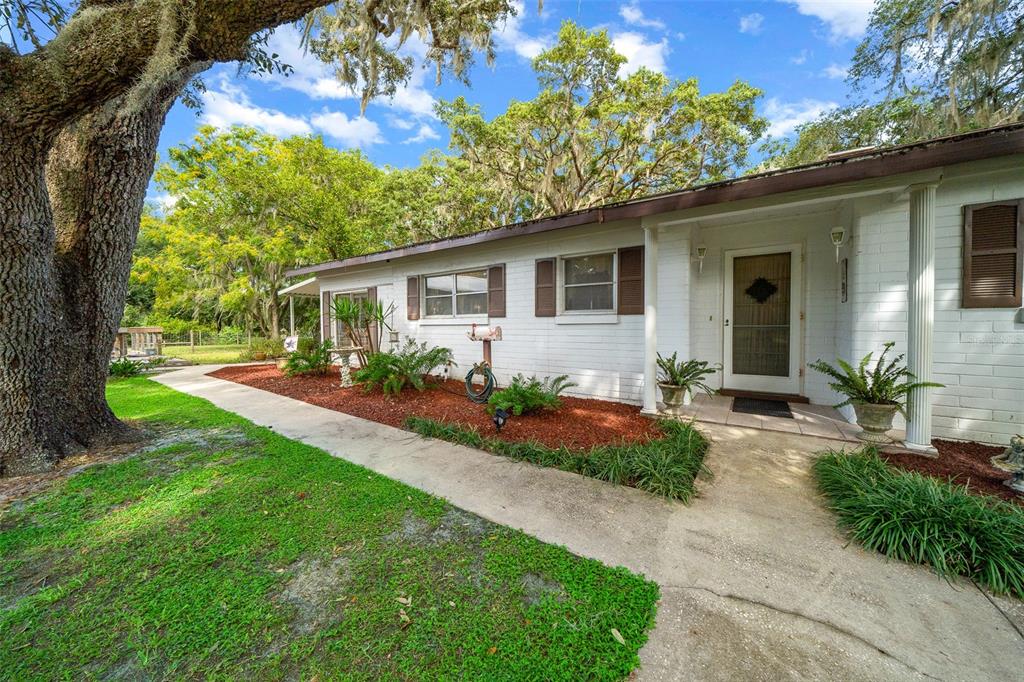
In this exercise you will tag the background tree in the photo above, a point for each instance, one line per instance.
(925, 68)
(123, 54)
(592, 136)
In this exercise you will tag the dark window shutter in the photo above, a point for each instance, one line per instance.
(496, 291)
(631, 281)
(371, 296)
(325, 316)
(993, 254)
(412, 299)
(544, 289)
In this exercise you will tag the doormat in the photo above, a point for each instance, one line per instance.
(765, 408)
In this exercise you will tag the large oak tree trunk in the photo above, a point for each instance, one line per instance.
(97, 173)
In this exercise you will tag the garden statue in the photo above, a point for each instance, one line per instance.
(1012, 460)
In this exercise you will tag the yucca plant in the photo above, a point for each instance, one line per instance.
(886, 384)
(365, 322)
(686, 374)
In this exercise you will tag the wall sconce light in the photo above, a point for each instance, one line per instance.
(393, 337)
(838, 235)
(702, 251)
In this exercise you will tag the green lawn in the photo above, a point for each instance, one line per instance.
(208, 355)
(224, 550)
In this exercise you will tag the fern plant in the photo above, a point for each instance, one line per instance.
(526, 395)
(315, 362)
(406, 367)
(884, 384)
(688, 374)
(124, 368)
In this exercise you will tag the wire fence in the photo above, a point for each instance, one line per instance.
(197, 338)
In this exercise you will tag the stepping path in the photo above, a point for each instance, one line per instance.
(756, 581)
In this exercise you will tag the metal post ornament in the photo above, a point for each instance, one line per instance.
(1012, 461)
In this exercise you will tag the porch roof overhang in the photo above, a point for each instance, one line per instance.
(307, 287)
(840, 169)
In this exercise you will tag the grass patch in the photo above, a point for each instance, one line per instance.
(665, 466)
(208, 355)
(924, 520)
(225, 551)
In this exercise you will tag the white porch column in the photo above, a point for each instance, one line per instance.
(921, 314)
(291, 316)
(650, 318)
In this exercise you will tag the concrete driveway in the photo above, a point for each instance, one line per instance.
(756, 581)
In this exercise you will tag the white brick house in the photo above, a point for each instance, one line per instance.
(574, 295)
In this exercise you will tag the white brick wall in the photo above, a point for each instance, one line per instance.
(979, 354)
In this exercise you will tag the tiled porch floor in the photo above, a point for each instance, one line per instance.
(822, 421)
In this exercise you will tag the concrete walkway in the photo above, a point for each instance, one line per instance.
(756, 582)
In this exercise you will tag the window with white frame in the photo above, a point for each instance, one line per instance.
(456, 294)
(588, 283)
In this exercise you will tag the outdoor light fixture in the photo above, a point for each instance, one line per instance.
(838, 238)
(393, 337)
(701, 252)
(500, 417)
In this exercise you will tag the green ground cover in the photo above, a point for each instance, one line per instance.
(208, 355)
(222, 550)
(666, 466)
(923, 520)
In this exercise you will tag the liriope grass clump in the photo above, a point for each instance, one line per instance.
(664, 466)
(924, 520)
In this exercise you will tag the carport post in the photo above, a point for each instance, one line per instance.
(291, 315)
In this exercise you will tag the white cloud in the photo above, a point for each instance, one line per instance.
(784, 117)
(639, 52)
(633, 15)
(400, 123)
(800, 58)
(422, 135)
(229, 105)
(835, 71)
(316, 80)
(845, 20)
(511, 36)
(752, 23)
(357, 131)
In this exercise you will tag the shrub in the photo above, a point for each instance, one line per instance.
(524, 396)
(886, 384)
(274, 348)
(123, 368)
(688, 374)
(314, 363)
(407, 366)
(665, 466)
(923, 520)
(307, 344)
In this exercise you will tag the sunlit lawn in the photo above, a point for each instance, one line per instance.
(208, 355)
(228, 551)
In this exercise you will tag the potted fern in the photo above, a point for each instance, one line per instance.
(678, 379)
(876, 394)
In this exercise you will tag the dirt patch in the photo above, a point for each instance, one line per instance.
(965, 462)
(536, 587)
(455, 525)
(16, 491)
(579, 425)
(314, 584)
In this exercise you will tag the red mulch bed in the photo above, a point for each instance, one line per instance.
(965, 462)
(579, 424)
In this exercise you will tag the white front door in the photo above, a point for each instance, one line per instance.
(761, 319)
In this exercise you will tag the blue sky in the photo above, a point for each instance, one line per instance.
(797, 51)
